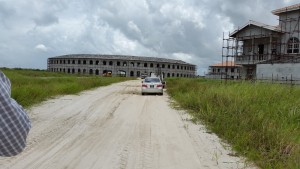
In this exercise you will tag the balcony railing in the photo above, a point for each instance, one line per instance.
(251, 59)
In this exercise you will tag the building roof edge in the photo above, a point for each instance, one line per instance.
(127, 57)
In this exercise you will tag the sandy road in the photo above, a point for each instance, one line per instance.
(115, 127)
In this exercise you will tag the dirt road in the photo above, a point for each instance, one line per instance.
(115, 127)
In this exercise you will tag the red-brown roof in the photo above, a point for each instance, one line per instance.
(226, 64)
(286, 9)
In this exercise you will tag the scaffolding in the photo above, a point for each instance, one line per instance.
(229, 50)
(263, 43)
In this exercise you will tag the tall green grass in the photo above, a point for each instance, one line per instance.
(261, 121)
(30, 87)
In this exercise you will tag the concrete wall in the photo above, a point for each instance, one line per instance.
(222, 73)
(248, 72)
(289, 22)
(283, 71)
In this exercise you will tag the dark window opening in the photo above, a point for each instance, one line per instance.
(131, 74)
(293, 45)
(261, 49)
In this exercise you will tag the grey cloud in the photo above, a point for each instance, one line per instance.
(187, 29)
(241, 12)
(6, 10)
(46, 20)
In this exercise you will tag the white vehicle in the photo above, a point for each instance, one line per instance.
(152, 85)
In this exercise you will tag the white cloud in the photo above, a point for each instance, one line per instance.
(41, 47)
(225, 23)
(134, 27)
(185, 13)
(123, 44)
(183, 56)
(288, 1)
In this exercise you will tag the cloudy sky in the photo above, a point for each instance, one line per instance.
(190, 30)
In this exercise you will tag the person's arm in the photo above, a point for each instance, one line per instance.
(14, 121)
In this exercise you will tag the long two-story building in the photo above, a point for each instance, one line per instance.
(120, 65)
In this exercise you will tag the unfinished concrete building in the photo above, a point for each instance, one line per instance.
(228, 70)
(120, 65)
(267, 52)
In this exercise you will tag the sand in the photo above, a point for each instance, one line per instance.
(115, 127)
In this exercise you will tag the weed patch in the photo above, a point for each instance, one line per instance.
(260, 121)
(30, 87)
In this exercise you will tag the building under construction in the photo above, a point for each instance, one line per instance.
(267, 52)
(224, 70)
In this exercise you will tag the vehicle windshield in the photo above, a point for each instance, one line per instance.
(153, 80)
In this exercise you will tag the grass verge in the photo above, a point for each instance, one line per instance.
(260, 121)
(30, 87)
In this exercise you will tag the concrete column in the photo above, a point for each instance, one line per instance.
(253, 50)
(270, 49)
